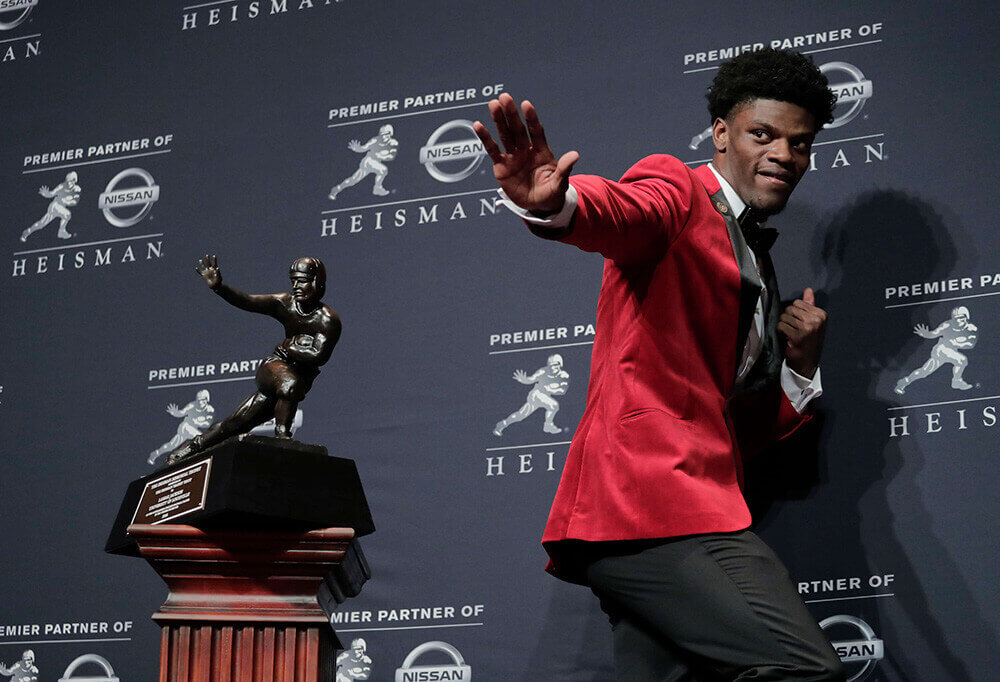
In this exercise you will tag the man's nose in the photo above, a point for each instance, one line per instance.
(779, 151)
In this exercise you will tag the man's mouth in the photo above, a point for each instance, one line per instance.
(778, 178)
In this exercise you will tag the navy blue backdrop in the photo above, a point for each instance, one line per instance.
(158, 132)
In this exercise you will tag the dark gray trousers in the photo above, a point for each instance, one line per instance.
(707, 607)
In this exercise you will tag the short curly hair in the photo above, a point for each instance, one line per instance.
(782, 75)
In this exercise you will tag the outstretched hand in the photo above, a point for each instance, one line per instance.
(208, 268)
(528, 171)
(803, 325)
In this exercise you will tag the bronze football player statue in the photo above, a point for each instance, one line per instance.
(285, 376)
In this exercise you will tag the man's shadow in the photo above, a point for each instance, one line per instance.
(855, 486)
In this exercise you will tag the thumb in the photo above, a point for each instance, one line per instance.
(809, 296)
(565, 164)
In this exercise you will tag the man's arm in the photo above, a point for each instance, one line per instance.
(628, 221)
(314, 349)
(923, 331)
(522, 377)
(356, 146)
(266, 304)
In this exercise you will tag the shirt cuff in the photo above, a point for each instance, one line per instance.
(800, 390)
(556, 221)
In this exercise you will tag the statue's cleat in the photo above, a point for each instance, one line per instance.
(152, 457)
(380, 191)
(186, 449)
(961, 384)
(24, 235)
(900, 387)
(551, 428)
(333, 193)
(498, 429)
(64, 235)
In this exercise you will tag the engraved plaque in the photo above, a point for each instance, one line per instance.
(174, 494)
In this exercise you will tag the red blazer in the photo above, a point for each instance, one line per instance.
(658, 449)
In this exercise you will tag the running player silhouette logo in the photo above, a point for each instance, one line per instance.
(377, 152)
(548, 382)
(354, 664)
(195, 418)
(953, 336)
(65, 194)
(24, 670)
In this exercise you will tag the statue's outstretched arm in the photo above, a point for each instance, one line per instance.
(266, 304)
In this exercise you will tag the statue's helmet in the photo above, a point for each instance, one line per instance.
(960, 311)
(203, 394)
(359, 644)
(555, 359)
(28, 655)
(313, 267)
(385, 130)
(71, 177)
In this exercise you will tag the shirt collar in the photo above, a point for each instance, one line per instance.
(732, 198)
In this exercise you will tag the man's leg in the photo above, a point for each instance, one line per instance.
(932, 365)
(349, 181)
(551, 406)
(284, 415)
(641, 655)
(38, 224)
(526, 410)
(723, 600)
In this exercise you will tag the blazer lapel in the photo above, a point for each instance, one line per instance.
(768, 365)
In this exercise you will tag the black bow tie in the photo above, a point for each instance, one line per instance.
(759, 239)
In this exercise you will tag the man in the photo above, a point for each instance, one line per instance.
(195, 417)
(376, 152)
(286, 375)
(66, 193)
(549, 381)
(954, 336)
(22, 671)
(354, 664)
(694, 366)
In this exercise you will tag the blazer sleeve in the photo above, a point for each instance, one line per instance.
(635, 219)
(761, 419)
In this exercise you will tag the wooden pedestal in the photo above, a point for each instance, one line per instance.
(243, 606)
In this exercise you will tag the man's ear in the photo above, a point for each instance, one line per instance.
(720, 134)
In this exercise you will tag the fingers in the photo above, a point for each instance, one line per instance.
(809, 296)
(800, 310)
(535, 129)
(491, 147)
(803, 321)
(500, 121)
(513, 134)
(519, 132)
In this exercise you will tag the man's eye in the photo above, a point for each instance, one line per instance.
(760, 134)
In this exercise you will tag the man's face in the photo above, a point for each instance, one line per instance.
(762, 150)
(961, 320)
(303, 287)
(29, 658)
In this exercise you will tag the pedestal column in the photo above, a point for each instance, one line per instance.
(242, 606)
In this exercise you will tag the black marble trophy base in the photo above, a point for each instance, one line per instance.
(260, 483)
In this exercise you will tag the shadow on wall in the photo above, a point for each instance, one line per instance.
(574, 644)
(861, 486)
